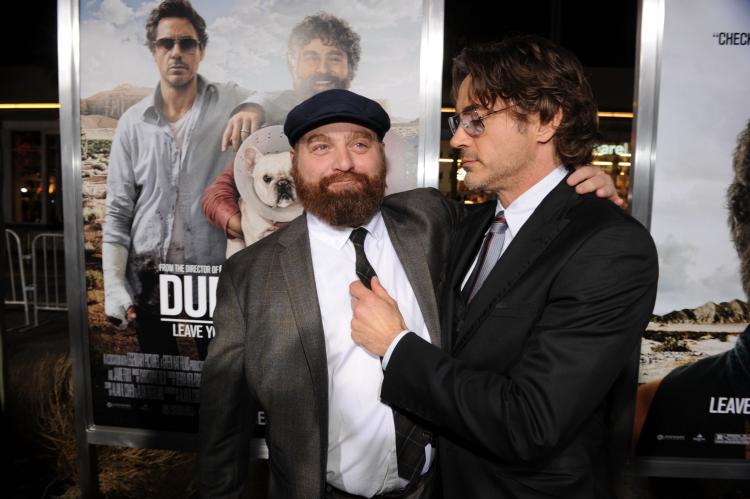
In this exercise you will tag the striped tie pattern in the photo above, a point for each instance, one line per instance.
(488, 256)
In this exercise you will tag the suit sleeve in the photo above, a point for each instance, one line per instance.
(227, 410)
(596, 310)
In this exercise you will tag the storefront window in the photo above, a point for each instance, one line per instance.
(34, 161)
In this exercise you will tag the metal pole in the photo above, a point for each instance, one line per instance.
(3, 257)
(430, 74)
(646, 105)
(70, 148)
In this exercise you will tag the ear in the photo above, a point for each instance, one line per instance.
(251, 155)
(291, 62)
(545, 131)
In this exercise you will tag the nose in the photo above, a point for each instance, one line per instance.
(176, 51)
(460, 139)
(344, 162)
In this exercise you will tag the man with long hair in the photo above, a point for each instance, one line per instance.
(545, 299)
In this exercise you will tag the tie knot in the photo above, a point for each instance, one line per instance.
(358, 236)
(499, 224)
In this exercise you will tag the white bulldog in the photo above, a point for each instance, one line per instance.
(263, 176)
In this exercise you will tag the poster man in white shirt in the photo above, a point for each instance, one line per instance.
(166, 150)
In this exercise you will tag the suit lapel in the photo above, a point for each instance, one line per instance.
(470, 240)
(296, 264)
(414, 259)
(531, 241)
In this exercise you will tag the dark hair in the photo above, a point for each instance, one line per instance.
(175, 8)
(332, 31)
(535, 76)
(739, 205)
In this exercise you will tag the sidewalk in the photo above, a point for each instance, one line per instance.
(23, 342)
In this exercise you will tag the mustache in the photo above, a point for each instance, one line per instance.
(360, 178)
(325, 77)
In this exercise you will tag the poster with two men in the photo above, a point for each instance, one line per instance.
(181, 111)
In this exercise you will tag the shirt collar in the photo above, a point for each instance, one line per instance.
(521, 209)
(337, 237)
(153, 109)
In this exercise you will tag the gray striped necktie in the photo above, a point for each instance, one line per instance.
(488, 256)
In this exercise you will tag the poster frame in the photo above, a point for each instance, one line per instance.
(88, 434)
(651, 19)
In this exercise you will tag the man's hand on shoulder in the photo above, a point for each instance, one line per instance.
(589, 178)
(376, 319)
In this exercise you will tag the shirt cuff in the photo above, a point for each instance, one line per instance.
(391, 348)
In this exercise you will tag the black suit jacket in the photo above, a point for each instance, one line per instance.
(519, 396)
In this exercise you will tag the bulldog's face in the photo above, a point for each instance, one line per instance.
(272, 177)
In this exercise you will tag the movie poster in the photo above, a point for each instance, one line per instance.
(694, 397)
(163, 107)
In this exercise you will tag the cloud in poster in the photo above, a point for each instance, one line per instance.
(703, 106)
(680, 286)
(116, 12)
(247, 44)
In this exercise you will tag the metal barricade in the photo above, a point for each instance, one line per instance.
(18, 291)
(48, 273)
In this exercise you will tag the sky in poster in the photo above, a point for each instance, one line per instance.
(247, 44)
(703, 106)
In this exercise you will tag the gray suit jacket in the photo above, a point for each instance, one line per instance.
(269, 349)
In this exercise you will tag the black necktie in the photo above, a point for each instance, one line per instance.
(365, 272)
(411, 439)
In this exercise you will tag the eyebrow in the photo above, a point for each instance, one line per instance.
(318, 137)
(469, 108)
(359, 134)
(356, 134)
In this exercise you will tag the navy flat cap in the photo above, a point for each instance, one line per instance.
(335, 106)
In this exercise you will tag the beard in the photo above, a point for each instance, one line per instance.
(350, 207)
(310, 86)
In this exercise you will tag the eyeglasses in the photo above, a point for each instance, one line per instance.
(186, 44)
(470, 121)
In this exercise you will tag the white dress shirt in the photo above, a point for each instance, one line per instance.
(521, 209)
(361, 434)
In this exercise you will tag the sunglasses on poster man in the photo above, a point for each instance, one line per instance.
(470, 121)
(186, 44)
